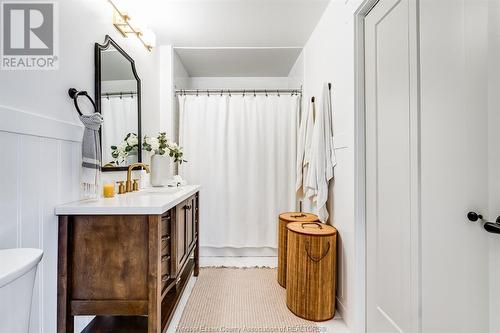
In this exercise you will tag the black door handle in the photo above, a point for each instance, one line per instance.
(493, 227)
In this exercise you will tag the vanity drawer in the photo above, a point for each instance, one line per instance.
(165, 245)
(165, 265)
(165, 270)
(165, 224)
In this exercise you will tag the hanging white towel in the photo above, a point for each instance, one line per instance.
(331, 160)
(322, 159)
(304, 151)
(325, 154)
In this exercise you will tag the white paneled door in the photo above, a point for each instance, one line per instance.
(391, 167)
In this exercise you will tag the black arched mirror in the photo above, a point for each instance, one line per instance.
(118, 99)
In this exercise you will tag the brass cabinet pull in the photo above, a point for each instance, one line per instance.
(165, 278)
(165, 258)
(165, 238)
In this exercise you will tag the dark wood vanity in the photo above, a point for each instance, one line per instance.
(128, 270)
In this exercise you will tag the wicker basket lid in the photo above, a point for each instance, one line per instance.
(298, 217)
(312, 228)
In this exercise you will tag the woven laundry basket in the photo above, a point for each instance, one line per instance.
(283, 221)
(311, 270)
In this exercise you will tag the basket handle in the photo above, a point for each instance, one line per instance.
(312, 223)
(299, 215)
(307, 247)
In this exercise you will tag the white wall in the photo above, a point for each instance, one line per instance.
(296, 75)
(494, 156)
(328, 56)
(45, 92)
(238, 83)
(40, 138)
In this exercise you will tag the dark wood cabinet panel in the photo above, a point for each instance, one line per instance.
(125, 266)
(115, 243)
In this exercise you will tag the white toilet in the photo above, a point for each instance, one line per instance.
(17, 277)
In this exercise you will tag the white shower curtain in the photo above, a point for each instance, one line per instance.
(242, 151)
(120, 118)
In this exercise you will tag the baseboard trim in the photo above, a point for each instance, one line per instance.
(27, 123)
(341, 309)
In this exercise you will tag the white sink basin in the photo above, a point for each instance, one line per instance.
(156, 190)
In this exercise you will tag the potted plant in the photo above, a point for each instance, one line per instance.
(162, 149)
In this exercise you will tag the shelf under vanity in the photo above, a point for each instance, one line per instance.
(127, 260)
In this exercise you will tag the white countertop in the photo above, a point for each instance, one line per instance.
(151, 201)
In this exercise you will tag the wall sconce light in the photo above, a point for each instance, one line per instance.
(125, 26)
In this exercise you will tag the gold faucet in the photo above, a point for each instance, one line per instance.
(128, 183)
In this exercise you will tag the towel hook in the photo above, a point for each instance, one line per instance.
(74, 94)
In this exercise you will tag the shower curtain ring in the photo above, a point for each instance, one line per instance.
(196, 92)
(221, 93)
(208, 93)
(266, 93)
(278, 91)
(254, 95)
(243, 93)
(229, 92)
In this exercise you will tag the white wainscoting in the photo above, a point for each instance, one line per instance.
(37, 172)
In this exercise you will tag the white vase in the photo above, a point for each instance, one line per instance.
(160, 170)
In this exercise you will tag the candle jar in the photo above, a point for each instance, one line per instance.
(108, 190)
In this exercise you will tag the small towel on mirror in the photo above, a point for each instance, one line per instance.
(91, 155)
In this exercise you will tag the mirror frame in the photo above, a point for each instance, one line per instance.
(98, 48)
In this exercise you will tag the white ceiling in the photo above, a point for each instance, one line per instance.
(215, 23)
(245, 37)
(237, 62)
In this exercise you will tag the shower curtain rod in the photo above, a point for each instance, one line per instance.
(237, 91)
(123, 93)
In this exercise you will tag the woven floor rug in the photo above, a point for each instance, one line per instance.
(240, 300)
